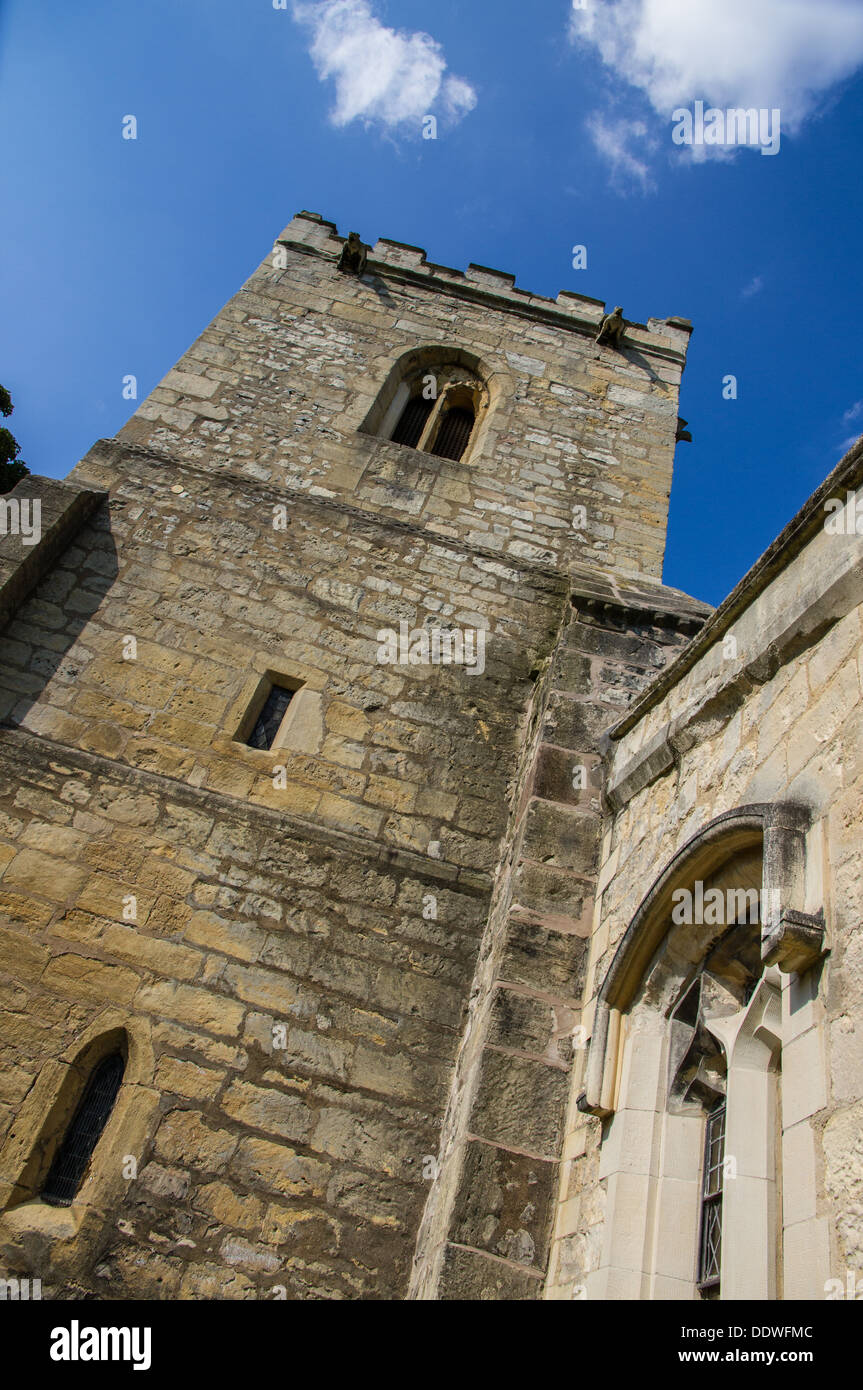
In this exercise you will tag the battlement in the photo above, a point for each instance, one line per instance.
(310, 232)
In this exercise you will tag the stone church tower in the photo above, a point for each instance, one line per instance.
(304, 683)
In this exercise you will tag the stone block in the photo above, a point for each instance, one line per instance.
(272, 1111)
(520, 1104)
(199, 1008)
(504, 1205)
(32, 871)
(80, 976)
(470, 1276)
(271, 1167)
(562, 837)
(185, 1138)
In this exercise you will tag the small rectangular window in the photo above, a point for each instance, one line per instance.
(269, 721)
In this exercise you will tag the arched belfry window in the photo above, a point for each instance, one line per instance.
(84, 1131)
(433, 401)
(438, 411)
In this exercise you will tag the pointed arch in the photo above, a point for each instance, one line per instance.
(790, 937)
(685, 1062)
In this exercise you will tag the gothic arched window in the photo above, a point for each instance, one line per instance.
(437, 410)
(84, 1131)
(686, 1059)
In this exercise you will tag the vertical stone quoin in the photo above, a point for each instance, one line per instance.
(489, 1223)
(324, 939)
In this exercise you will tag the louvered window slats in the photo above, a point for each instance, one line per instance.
(454, 433)
(412, 423)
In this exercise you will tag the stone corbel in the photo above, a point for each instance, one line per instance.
(794, 942)
(790, 938)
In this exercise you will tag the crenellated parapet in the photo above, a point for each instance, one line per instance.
(310, 232)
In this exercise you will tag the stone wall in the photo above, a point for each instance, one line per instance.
(764, 707)
(191, 567)
(488, 1225)
(348, 968)
(262, 1165)
(278, 387)
(305, 902)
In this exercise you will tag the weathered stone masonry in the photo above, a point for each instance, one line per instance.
(412, 1032)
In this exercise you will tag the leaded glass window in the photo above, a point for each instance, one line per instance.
(84, 1132)
(710, 1251)
(270, 718)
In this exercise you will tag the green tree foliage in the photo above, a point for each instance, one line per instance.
(12, 469)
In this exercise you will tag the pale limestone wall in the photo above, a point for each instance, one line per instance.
(123, 779)
(779, 719)
(301, 905)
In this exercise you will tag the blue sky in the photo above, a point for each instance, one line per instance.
(554, 130)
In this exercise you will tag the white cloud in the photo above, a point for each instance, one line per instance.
(622, 144)
(755, 286)
(850, 417)
(380, 74)
(731, 53)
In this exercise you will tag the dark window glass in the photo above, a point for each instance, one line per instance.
(454, 433)
(412, 423)
(84, 1132)
(270, 718)
(710, 1246)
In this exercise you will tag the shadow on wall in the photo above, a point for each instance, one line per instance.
(58, 561)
